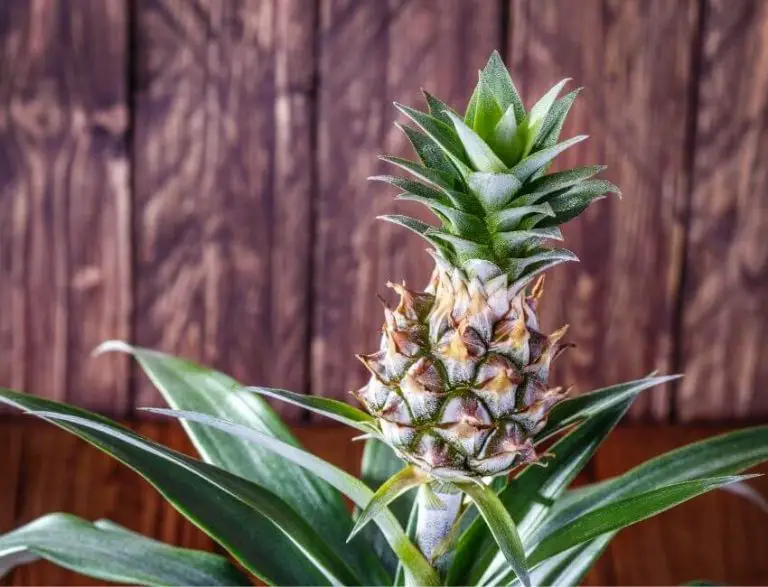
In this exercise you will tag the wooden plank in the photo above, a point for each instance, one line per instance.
(62, 473)
(222, 156)
(64, 218)
(726, 287)
(717, 537)
(371, 54)
(634, 59)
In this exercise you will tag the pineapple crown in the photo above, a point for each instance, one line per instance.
(484, 176)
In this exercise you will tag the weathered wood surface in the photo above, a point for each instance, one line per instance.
(725, 310)
(634, 61)
(222, 168)
(719, 537)
(190, 176)
(372, 53)
(65, 281)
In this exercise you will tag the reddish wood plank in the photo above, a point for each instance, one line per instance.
(223, 167)
(634, 60)
(62, 473)
(718, 536)
(726, 288)
(64, 206)
(371, 54)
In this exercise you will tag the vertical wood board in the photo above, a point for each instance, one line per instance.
(634, 61)
(726, 288)
(64, 201)
(223, 164)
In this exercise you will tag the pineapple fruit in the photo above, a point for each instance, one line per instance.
(459, 384)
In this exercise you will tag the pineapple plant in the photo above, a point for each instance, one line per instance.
(456, 488)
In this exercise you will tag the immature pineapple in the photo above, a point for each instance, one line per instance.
(459, 385)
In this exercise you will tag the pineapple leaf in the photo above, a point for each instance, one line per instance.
(576, 409)
(519, 267)
(551, 128)
(435, 177)
(568, 568)
(538, 160)
(466, 249)
(330, 408)
(414, 187)
(109, 552)
(235, 512)
(573, 201)
(553, 184)
(429, 152)
(727, 454)
(509, 218)
(539, 114)
(487, 111)
(515, 240)
(494, 190)
(379, 463)
(460, 222)
(478, 151)
(506, 141)
(501, 85)
(187, 386)
(401, 482)
(620, 514)
(501, 526)
(442, 134)
(437, 108)
(416, 565)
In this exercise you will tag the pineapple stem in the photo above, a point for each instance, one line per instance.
(438, 510)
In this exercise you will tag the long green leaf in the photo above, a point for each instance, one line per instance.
(379, 463)
(405, 479)
(726, 454)
(108, 552)
(582, 406)
(501, 525)
(529, 497)
(623, 513)
(253, 524)
(330, 408)
(419, 569)
(568, 568)
(187, 386)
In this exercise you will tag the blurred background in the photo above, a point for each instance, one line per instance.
(189, 175)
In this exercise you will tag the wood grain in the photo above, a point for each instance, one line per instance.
(371, 54)
(634, 61)
(726, 288)
(64, 203)
(223, 168)
(718, 537)
(63, 473)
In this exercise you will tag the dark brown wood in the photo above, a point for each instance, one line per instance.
(634, 60)
(222, 155)
(371, 54)
(718, 536)
(726, 286)
(64, 202)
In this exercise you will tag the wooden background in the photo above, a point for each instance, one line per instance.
(189, 175)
